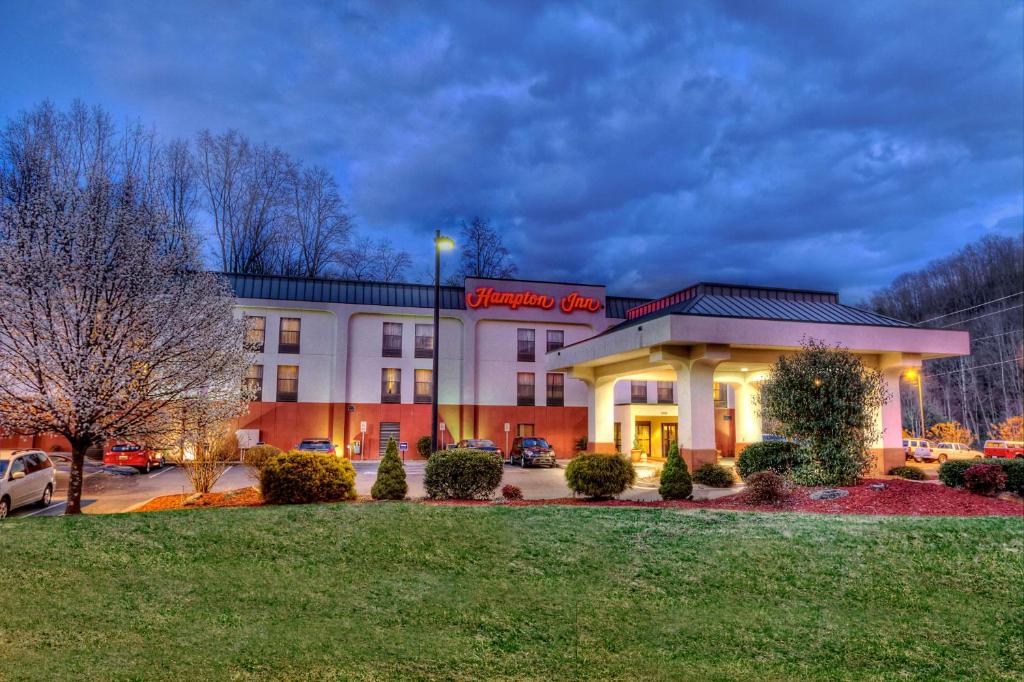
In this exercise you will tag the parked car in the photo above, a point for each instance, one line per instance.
(955, 451)
(480, 444)
(322, 445)
(531, 451)
(133, 455)
(1004, 448)
(918, 450)
(26, 477)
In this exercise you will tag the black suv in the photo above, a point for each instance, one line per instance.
(531, 450)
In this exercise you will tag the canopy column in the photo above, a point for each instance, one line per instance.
(748, 419)
(600, 411)
(888, 447)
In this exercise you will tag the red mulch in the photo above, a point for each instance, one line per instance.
(244, 497)
(900, 497)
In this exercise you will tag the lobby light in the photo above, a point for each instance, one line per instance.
(744, 369)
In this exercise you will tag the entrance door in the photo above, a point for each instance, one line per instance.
(668, 436)
(643, 436)
(725, 431)
(389, 430)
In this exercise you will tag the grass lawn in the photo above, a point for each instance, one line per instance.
(412, 591)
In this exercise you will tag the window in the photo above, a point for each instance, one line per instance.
(287, 383)
(424, 386)
(254, 381)
(288, 341)
(638, 391)
(617, 436)
(392, 345)
(666, 392)
(556, 339)
(390, 385)
(526, 350)
(524, 430)
(720, 395)
(424, 340)
(556, 390)
(255, 332)
(525, 389)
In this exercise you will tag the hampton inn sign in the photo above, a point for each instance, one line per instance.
(351, 361)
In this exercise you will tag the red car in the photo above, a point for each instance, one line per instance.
(133, 455)
(1004, 448)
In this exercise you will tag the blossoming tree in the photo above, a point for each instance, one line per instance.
(109, 327)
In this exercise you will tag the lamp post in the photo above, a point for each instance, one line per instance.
(440, 244)
(913, 374)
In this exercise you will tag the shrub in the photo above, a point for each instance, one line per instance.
(599, 475)
(675, 477)
(581, 444)
(511, 492)
(985, 479)
(301, 477)
(423, 447)
(776, 455)
(952, 472)
(908, 472)
(462, 474)
(713, 475)
(766, 487)
(390, 483)
(257, 456)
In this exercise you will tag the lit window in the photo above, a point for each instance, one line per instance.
(255, 332)
(424, 386)
(391, 385)
(525, 388)
(288, 341)
(287, 383)
(254, 382)
(556, 390)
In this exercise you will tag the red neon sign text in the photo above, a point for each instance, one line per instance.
(487, 297)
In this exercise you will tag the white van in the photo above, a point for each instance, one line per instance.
(26, 477)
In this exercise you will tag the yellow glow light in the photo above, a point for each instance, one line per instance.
(911, 374)
(444, 243)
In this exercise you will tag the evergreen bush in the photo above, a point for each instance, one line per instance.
(675, 481)
(462, 474)
(713, 475)
(779, 456)
(296, 477)
(599, 475)
(258, 455)
(390, 483)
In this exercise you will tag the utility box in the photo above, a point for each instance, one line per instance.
(247, 438)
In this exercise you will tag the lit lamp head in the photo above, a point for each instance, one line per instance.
(911, 374)
(444, 243)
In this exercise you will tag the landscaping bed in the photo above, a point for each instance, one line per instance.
(243, 497)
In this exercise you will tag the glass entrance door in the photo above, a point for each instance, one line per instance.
(643, 437)
(668, 436)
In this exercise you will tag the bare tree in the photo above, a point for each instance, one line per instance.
(483, 253)
(377, 261)
(245, 189)
(109, 328)
(318, 229)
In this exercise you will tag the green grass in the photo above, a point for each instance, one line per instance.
(410, 591)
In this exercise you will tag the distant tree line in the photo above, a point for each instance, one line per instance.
(979, 288)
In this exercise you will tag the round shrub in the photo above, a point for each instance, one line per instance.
(423, 446)
(675, 477)
(713, 475)
(908, 472)
(775, 455)
(302, 477)
(257, 456)
(511, 492)
(985, 479)
(599, 475)
(952, 472)
(390, 483)
(766, 487)
(462, 474)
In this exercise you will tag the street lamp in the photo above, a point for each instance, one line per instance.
(440, 244)
(911, 375)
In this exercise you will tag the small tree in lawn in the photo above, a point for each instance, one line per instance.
(390, 483)
(675, 477)
(950, 432)
(825, 398)
(109, 327)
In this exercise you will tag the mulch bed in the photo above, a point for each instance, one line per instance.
(243, 497)
(900, 497)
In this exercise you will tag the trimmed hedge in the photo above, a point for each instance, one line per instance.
(775, 455)
(713, 475)
(599, 475)
(675, 477)
(908, 472)
(390, 483)
(985, 479)
(952, 472)
(462, 474)
(296, 477)
(257, 456)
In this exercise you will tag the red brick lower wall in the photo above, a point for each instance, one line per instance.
(285, 424)
(45, 442)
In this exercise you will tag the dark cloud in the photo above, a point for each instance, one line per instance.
(645, 145)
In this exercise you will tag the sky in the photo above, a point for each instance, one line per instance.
(644, 145)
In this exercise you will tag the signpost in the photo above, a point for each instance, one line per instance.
(403, 446)
(508, 427)
(442, 435)
(362, 441)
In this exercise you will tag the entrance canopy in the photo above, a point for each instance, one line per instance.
(732, 334)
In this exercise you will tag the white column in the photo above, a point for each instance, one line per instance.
(889, 418)
(600, 414)
(694, 394)
(748, 421)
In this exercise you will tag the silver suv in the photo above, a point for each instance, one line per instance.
(26, 477)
